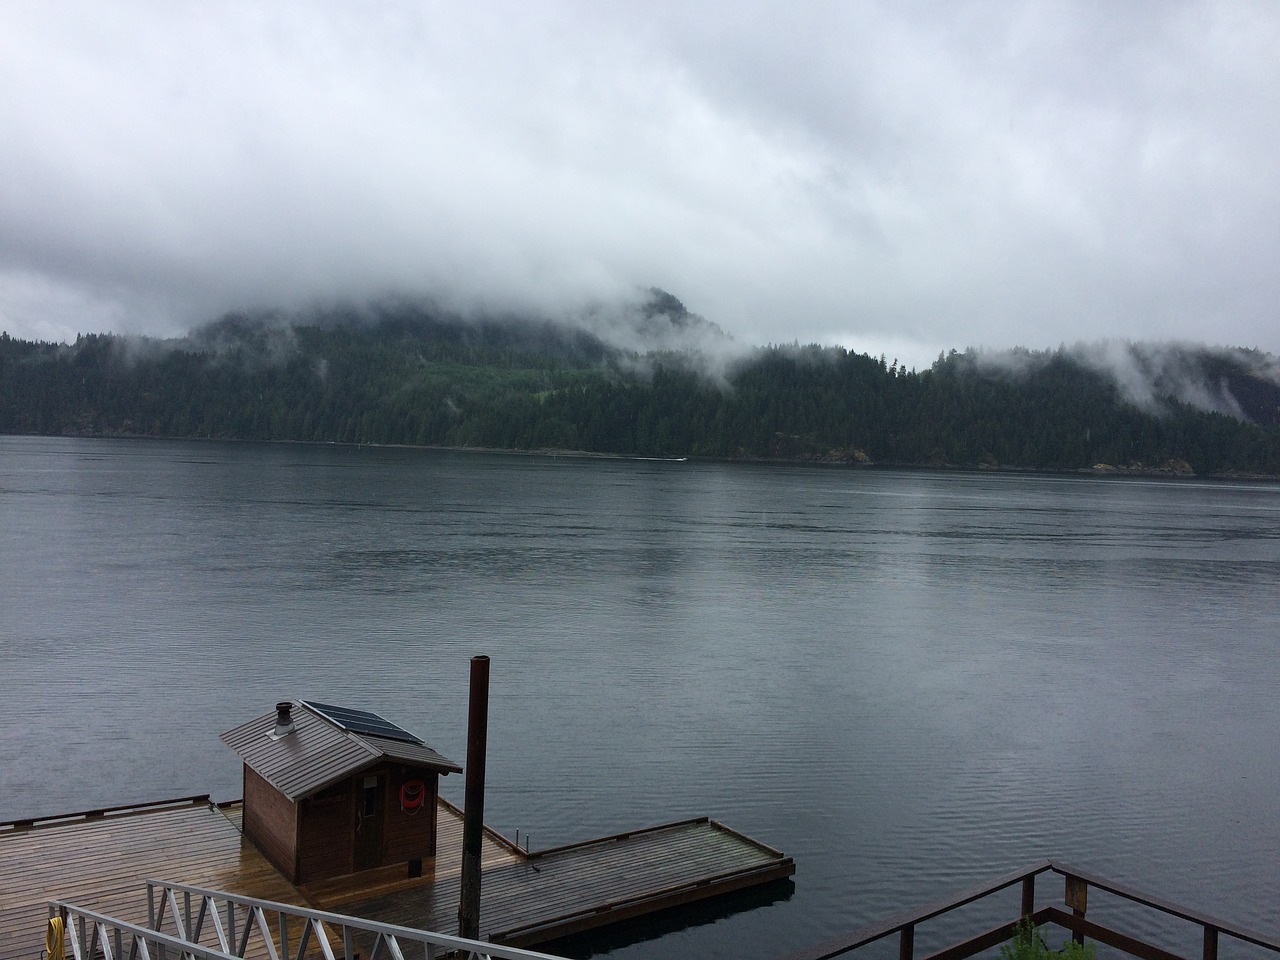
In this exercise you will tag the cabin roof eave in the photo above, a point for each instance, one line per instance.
(317, 754)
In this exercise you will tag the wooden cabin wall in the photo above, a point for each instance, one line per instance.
(315, 839)
(409, 836)
(325, 837)
(271, 822)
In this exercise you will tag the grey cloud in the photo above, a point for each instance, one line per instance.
(909, 176)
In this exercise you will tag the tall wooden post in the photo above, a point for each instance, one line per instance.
(473, 803)
(1077, 897)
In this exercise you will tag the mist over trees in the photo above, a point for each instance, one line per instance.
(409, 376)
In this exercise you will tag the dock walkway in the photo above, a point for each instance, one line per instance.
(102, 860)
(533, 898)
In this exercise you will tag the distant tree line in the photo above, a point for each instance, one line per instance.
(415, 380)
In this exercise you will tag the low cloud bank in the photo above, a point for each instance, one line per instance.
(1233, 381)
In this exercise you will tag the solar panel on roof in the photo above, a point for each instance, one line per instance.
(361, 721)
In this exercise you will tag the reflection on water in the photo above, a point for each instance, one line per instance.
(907, 681)
(640, 930)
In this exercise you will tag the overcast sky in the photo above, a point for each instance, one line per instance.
(899, 177)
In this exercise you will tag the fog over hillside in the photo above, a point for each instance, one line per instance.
(1233, 381)
(396, 372)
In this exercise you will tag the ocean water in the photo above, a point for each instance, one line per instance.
(908, 681)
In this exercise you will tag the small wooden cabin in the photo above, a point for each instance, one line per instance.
(330, 791)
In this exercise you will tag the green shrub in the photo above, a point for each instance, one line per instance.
(1078, 951)
(1028, 944)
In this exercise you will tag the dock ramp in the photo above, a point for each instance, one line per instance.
(202, 924)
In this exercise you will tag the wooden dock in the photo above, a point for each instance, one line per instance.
(102, 860)
(528, 899)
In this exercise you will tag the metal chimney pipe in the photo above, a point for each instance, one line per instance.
(473, 804)
(284, 722)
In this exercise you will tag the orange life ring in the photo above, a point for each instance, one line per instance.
(412, 795)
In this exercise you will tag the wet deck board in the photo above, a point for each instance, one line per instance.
(551, 894)
(103, 863)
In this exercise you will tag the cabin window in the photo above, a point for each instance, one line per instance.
(369, 798)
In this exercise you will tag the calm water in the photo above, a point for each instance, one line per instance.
(907, 681)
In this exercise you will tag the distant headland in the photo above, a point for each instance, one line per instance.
(675, 386)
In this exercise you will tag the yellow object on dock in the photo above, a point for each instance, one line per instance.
(54, 947)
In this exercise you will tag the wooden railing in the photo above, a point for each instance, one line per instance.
(238, 926)
(1074, 919)
(100, 813)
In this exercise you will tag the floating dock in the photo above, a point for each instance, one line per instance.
(531, 898)
(102, 859)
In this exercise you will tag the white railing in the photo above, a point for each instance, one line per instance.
(235, 925)
(93, 936)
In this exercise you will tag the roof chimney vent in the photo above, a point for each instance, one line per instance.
(284, 722)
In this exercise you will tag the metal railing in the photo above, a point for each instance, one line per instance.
(195, 923)
(1076, 891)
(88, 935)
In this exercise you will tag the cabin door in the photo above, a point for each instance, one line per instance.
(370, 812)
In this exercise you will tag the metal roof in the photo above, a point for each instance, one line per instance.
(318, 753)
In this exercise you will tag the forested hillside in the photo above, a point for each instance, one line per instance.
(408, 377)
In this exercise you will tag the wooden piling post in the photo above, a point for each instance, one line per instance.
(473, 803)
